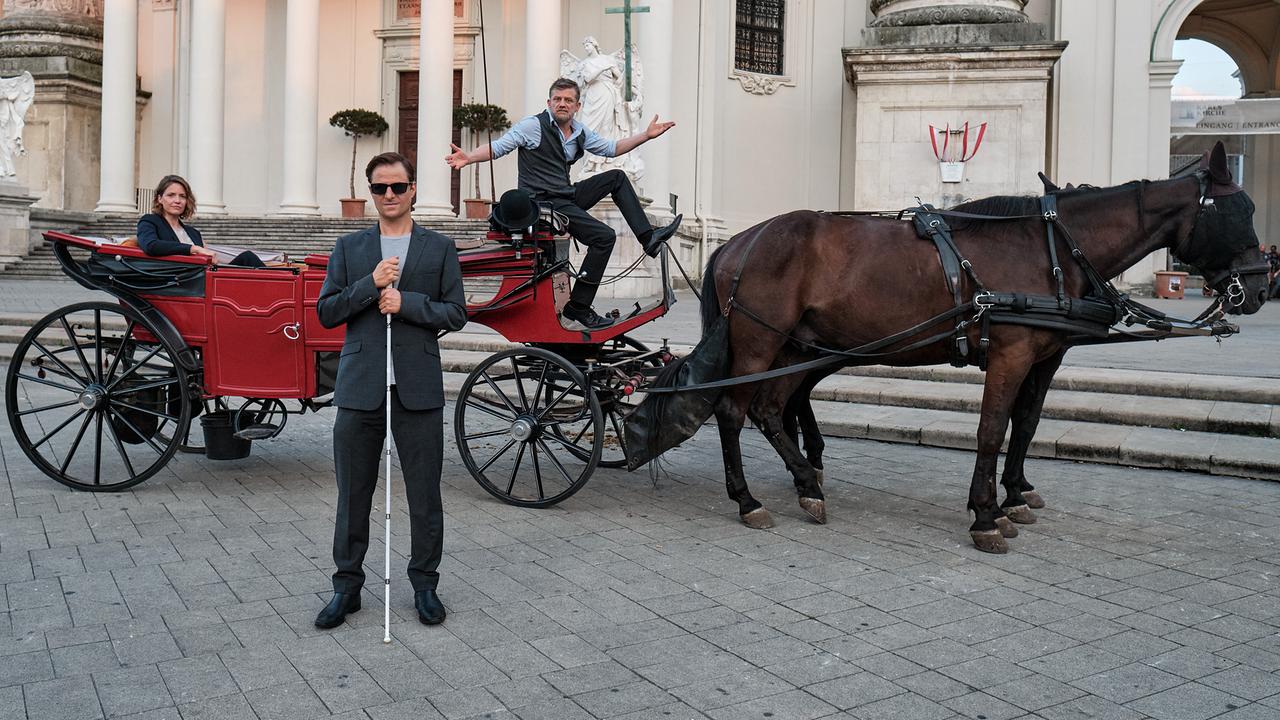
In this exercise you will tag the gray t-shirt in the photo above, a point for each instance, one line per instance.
(395, 246)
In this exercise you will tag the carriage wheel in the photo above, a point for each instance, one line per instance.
(614, 404)
(94, 399)
(528, 427)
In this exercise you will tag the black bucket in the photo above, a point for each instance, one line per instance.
(220, 442)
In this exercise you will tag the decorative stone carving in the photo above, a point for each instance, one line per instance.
(71, 8)
(758, 84)
(604, 106)
(898, 13)
(16, 95)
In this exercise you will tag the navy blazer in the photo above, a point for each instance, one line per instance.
(431, 299)
(155, 237)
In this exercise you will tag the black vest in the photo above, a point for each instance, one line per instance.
(544, 170)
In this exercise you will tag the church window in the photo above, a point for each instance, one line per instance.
(758, 41)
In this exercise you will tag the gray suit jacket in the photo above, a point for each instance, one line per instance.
(431, 300)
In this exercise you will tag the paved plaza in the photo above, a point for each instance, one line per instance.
(1139, 593)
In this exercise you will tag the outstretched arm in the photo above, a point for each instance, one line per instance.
(655, 129)
(460, 158)
(525, 133)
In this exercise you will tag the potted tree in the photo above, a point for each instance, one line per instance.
(357, 124)
(480, 119)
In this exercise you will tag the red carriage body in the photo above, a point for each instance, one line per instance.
(186, 333)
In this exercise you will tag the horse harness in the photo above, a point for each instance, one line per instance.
(1089, 319)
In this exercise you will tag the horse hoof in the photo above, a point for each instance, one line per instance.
(1033, 499)
(758, 519)
(1006, 528)
(818, 471)
(817, 509)
(1020, 514)
(990, 541)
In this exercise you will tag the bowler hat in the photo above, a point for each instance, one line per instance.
(516, 211)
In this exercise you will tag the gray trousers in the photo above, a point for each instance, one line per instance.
(357, 457)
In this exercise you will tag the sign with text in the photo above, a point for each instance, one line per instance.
(406, 9)
(1259, 116)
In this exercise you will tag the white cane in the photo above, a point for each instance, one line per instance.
(386, 571)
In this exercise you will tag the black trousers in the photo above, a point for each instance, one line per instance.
(247, 259)
(598, 237)
(357, 456)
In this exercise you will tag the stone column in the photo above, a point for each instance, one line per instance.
(435, 109)
(301, 107)
(656, 29)
(541, 52)
(1160, 101)
(900, 13)
(208, 52)
(947, 63)
(119, 107)
(60, 44)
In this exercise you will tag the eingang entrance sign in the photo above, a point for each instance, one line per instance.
(1217, 116)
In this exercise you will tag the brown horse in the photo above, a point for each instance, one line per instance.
(783, 291)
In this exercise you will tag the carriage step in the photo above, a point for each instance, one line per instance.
(259, 432)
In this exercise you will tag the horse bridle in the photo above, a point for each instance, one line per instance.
(1233, 291)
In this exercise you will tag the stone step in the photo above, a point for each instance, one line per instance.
(1213, 453)
(294, 236)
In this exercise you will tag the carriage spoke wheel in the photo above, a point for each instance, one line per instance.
(94, 400)
(614, 404)
(529, 427)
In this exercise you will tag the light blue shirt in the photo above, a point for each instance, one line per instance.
(527, 134)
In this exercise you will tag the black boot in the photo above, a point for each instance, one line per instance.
(430, 609)
(586, 318)
(336, 611)
(659, 236)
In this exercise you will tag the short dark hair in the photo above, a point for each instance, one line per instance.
(564, 84)
(390, 158)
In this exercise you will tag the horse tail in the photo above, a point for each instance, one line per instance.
(710, 298)
(664, 420)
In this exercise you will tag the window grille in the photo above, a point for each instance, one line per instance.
(758, 43)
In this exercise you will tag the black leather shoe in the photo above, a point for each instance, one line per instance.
(586, 318)
(430, 609)
(336, 611)
(660, 236)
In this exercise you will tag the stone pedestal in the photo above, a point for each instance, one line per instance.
(60, 43)
(15, 222)
(643, 282)
(940, 63)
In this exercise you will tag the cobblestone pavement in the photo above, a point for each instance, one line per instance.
(1139, 593)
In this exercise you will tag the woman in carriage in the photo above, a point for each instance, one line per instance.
(163, 232)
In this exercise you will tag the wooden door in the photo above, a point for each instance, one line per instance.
(407, 122)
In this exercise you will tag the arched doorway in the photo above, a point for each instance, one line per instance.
(1244, 31)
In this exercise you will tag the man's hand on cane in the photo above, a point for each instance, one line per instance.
(387, 272)
(389, 302)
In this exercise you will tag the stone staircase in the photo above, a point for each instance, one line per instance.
(295, 237)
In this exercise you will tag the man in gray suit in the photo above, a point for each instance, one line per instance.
(366, 280)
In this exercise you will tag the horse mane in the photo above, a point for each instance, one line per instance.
(1011, 205)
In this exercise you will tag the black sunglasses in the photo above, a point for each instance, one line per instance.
(399, 188)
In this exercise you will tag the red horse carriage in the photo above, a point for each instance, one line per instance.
(100, 395)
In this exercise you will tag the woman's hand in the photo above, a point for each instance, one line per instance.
(206, 252)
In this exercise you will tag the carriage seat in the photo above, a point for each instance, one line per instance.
(518, 212)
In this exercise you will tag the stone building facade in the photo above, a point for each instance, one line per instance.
(827, 107)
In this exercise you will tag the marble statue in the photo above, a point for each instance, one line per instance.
(604, 106)
(16, 94)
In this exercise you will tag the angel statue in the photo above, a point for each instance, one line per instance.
(604, 106)
(16, 94)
